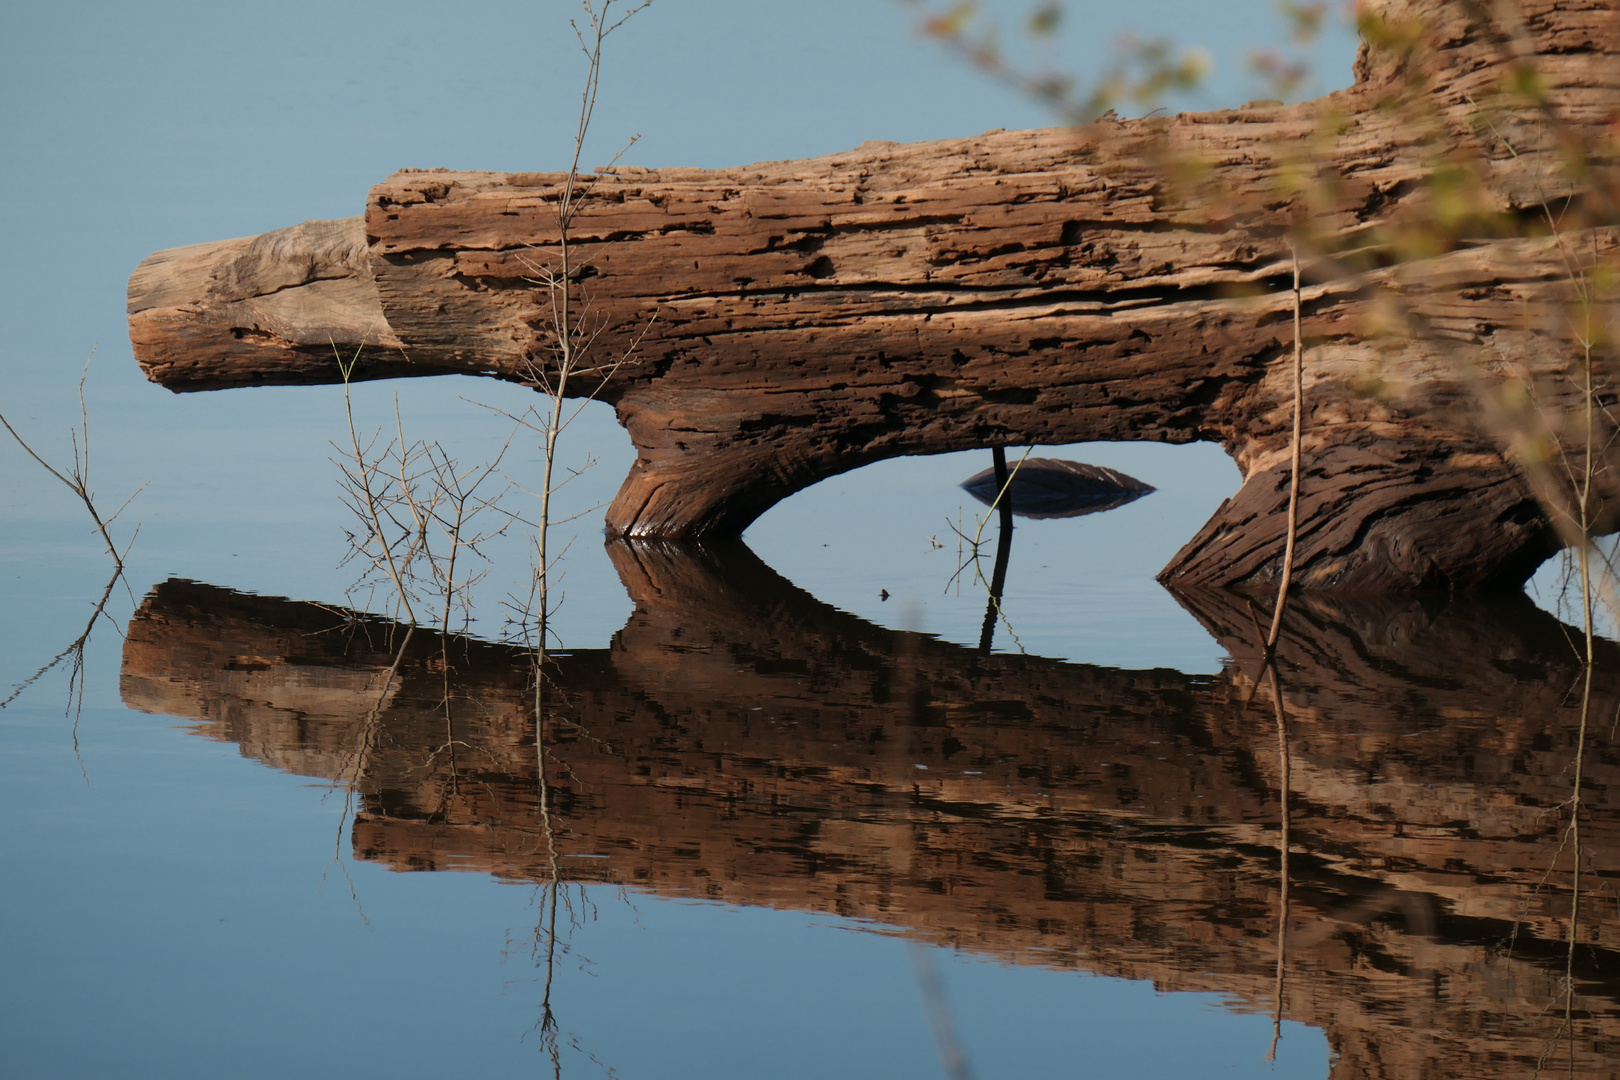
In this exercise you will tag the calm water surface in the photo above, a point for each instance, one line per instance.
(797, 822)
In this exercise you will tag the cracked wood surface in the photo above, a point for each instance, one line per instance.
(804, 318)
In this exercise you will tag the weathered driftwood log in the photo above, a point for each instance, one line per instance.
(745, 743)
(1017, 288)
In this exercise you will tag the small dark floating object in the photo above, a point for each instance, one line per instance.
(1051, 488)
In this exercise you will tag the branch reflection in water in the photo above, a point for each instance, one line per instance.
(76, 478)
(1033, 488)
(741, 742)
(73, 655)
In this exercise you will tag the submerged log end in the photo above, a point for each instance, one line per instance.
(707, 500)
(275, 309)
(1391, 515)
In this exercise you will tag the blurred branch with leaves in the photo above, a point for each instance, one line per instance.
(1142, 73)
(1455, 216)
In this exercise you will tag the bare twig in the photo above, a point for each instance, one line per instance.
(77, 476)
(1294, 467)
(574, 333)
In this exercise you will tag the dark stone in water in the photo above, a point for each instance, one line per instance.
(1052, 488)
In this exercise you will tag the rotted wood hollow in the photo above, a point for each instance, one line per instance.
(799, 319)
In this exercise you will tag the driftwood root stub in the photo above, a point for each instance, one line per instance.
(1019, 288)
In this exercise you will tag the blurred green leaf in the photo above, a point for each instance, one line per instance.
(954, 23)
(1044, 22)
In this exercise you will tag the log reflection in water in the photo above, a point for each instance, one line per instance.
(742, 742)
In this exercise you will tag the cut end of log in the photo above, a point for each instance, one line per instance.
(274, 309)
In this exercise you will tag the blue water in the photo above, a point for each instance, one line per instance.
(178, 911)
(174, 909)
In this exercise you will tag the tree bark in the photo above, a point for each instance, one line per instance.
(804, 318)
